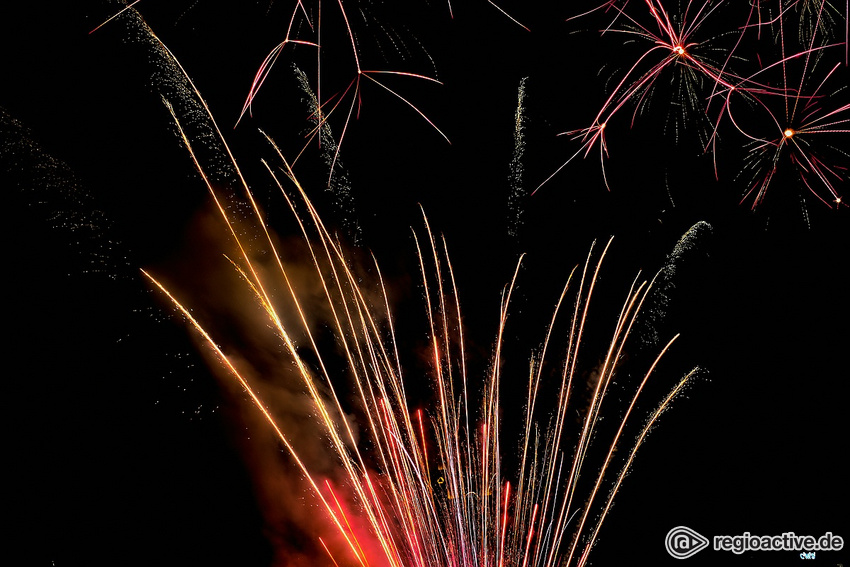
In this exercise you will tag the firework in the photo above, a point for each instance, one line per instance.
(382, 505)
(707, 60)
(312, 24)
(806, 127)
(146, 466)
(476, 518)
(671, 45)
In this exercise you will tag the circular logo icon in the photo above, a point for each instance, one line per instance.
(682, 542)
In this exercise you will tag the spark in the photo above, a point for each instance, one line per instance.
(121, 11)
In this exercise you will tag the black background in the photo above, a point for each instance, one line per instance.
(120, 452)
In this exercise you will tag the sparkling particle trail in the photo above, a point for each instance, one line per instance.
(517, 192)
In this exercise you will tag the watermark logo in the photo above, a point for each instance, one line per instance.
(683, 542)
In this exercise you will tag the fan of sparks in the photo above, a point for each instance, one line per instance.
(388, 510)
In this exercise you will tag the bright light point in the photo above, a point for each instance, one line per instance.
(602, 126)
(679, 50)
(788, 133)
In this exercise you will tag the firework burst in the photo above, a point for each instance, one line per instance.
(706, 59)
(669, 43)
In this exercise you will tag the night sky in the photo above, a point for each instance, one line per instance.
(125, 450)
